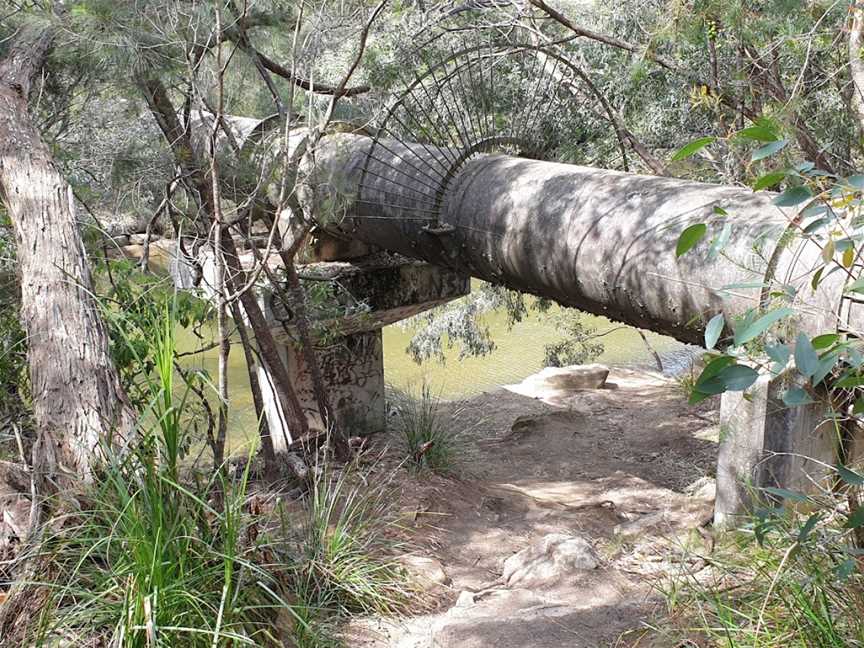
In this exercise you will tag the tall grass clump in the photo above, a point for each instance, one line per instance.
(164, 551)
(344, 550)
(430, 438)
(792, 577)
(149, 561)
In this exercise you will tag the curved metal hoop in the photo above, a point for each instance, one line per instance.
(490, 98)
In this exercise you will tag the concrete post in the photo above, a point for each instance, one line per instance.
(361, 297)
(353, 371)
(764, 442)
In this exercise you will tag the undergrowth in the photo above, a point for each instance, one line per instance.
(343, 546)
(430, 437)
(164, 552)
(791, 577)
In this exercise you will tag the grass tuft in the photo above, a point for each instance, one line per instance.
(343, 554)
(164, 553)
(790, 580)
(430, 438)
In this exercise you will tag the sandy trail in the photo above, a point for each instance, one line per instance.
(626, 469)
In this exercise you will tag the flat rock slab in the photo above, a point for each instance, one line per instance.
(553, 382)
(520, 618)
(553, 558)
(425, 572)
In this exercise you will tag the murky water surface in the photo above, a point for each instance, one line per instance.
(519, 353)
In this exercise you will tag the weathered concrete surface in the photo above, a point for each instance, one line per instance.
(367, 294)
(353, 370)
(599, 240)
(765, 443)
(349, 302)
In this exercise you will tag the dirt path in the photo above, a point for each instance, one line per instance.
(597, 488)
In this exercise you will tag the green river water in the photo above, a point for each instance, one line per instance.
(519, 353)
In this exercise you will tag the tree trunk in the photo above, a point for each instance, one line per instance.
(285, 392)
(856, 66)
(201, 191)
(271, 467)
(78, 401)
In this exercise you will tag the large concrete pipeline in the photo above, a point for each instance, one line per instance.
(598, 240)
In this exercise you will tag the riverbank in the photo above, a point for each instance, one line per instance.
(570, 514)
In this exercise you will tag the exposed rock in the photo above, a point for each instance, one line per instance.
(466, 599)
(555, 556)
(555, 382)
(704, 488)
(118, 240)
(424, 571)
(592, 376)
(139, 239)
(122, 223)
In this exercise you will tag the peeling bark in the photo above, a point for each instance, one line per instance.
(78, 401)
(856, 64)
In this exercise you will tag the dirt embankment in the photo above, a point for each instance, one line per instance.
(574, 507)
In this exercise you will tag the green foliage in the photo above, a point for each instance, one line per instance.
(163, 554)
(692, 148)
(430, 437)
(793, 577)
(789, 577)
(690, 237)
(579, 344)
(134, 306)
(13, 341)
(341, 559)
(713, 330)
(460, 324)
(148, 561)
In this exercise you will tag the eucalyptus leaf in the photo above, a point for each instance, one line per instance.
(806, 358)
(793, 196)
(817, 278)
(760, 133)
(769, 180)
(780, 354)
(786, 494)
(824, 341)
(849, 476)
(761, 325)
(826, 365)
(713, 330)
(691, 148)
(738, 377)
(690, 237)
(768, 150)
(856, 519)
(795, 397)
(849, 381)
(856, 286)
(720, 241)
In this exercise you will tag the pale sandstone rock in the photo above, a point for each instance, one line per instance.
(424, 571)
(554, 557)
